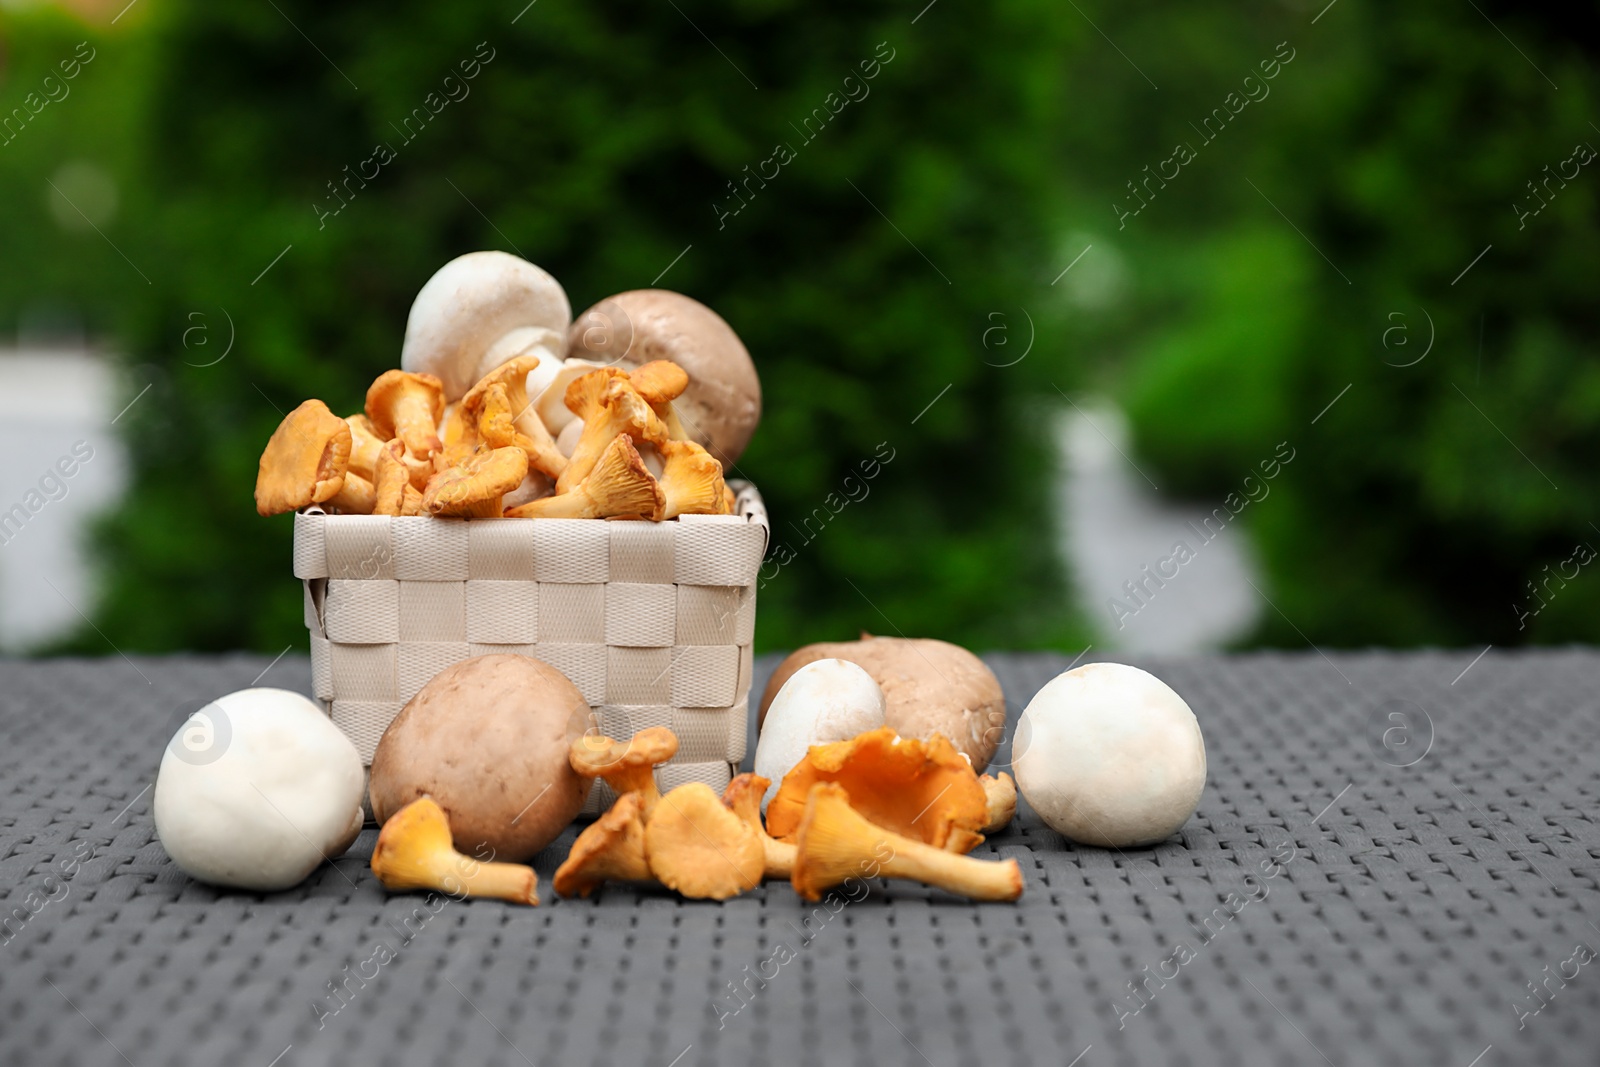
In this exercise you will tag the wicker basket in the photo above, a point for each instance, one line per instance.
(651, 621)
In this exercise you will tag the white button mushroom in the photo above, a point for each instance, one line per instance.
(256, 789)
(1109, 755)
(828, 700)
(469, 306)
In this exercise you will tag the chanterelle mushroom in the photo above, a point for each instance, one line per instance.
(626, 766)
(469, 306)
(835, 842)
(698, 847)
(923, 789)
(407, 406)
(529, 433)
(743, 797)
(364, 446)
(355, 497)
(691, 480)
(722, 404)
(618, 485)
(610, 849)
(305, 461)
(474, 488)
(392, 489)
(415, 851)
(1001, 793)
(617, 409)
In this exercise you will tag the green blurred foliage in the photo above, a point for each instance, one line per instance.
(595, 140)
(1316, 243)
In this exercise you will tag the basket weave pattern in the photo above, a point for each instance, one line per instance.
(652, 622)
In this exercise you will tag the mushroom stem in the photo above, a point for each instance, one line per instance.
(1001, 793)
(835, 842)
(415, 851)
(743, 795)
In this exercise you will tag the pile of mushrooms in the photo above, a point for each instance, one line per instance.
(498, 408)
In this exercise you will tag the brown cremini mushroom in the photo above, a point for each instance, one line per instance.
(487, 738)
(408, 406)
(695, 845)
(474, 488)
(1001, 793)
(922, 789)
(610, 849)
(415, 851)
(691, 480)
(835, 843)
(526, 431)
(626, 766)
(743, 798)
(619, 485)
(619, 410)
(304, 462)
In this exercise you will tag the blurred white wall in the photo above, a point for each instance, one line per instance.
(1116, 523)
(52, 402)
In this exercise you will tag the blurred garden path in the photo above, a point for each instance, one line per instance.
(50, 401)
(1115, 523)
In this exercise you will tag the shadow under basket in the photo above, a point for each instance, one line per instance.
(652, 621)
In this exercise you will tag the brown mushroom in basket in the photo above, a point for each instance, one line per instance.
(474, 488)
(743, 797)
(835, 843)
(408, 406)
(922, 789)
(609, 407)
(696, 846)
(610, 849)
(415, 850)
(626, 766)
(304, 462)
(619, 485)
(691, 480)
(526, 430)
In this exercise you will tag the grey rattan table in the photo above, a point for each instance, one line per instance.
(1393, 862)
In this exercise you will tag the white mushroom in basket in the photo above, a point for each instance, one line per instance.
(478, 303)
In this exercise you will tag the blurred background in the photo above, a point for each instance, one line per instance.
(1186, 328)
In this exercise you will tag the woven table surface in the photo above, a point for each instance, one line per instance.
(1388, 852)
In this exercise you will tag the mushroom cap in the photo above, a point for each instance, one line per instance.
(256, 789)
(660, 381)
(722, 404)
(929, 687)
(922, 789)
(468, 305)
(305, 460)
(610, 849)
(1110, 755)
(487, 738)
(482, 478)
(827, 700)
(700, 848)
(597, 756)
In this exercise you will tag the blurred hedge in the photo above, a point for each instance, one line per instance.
(595, 139)
(1422, 504)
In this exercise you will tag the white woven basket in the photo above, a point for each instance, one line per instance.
(651, 621)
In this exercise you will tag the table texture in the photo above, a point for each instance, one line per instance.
(1396, 861)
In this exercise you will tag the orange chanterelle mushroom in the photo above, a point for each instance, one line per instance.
(305, 462)
(611, 849)
(700, 848)
(924, 789)
(626, 766)
(835, 843)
